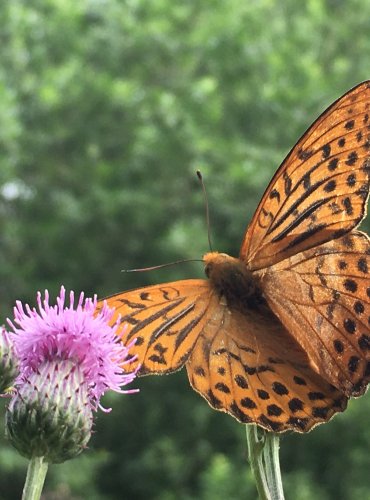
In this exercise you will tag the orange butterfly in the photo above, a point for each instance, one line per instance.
(279, 336)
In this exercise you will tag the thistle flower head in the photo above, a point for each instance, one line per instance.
(76, 333)
(69, 356)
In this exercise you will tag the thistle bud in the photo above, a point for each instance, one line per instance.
(9, 366)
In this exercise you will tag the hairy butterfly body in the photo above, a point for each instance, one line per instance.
(279, 336)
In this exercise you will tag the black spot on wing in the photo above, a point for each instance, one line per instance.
(349, 125)
(326, 149)
(352, 158)
(275, 194)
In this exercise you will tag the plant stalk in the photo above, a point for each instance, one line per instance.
(36, 472)
(263, 456)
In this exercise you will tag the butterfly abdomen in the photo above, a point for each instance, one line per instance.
(232, 280)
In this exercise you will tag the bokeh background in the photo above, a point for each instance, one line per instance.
(107, 108)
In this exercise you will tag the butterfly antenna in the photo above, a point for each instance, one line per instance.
(200, 177)
(160, 266)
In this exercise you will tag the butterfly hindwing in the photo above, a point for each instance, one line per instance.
(320, 191)
(257, 373)
(322, 296)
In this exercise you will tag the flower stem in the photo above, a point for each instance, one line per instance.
(263, 455)
(37, 469)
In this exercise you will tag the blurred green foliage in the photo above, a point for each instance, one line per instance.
(107, 108)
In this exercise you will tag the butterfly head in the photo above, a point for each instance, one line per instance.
(214, 261)
(231, 279)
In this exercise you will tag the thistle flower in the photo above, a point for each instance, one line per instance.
(68, 358)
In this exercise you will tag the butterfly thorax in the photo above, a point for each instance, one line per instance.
(232, 280)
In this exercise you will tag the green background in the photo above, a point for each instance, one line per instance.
(107, 109)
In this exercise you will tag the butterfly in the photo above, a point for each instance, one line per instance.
(280, 335)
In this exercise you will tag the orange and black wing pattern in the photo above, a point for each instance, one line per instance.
(322, 296)
(320, 191)
(164, 320)
(290, 349)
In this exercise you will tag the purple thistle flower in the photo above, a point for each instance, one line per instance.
(79, 334)
(69, 356)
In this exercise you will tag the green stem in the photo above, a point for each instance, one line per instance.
(272, 466)
(37, 469)
(263, 455)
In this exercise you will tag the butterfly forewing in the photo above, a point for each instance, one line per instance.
(164, 320)
(320, 191)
